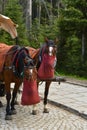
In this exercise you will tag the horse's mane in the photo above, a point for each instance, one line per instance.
(41, 51)
(18, 62)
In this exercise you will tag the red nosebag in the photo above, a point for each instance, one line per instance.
(30, 93)
(46, 69)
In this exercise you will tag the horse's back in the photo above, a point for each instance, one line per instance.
(4, 48)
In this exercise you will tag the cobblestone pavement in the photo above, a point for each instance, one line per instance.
(72, 97)
(69, 96)
(56, 119)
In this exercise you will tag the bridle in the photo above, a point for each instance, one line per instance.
(29, 69)
(30, 73)
(50, 48)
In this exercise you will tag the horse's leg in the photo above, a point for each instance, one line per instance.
(16, 102)
(35, 111)
(13, 110)
(14, 95)
(8, 97)
(47, 85)
(2, 92)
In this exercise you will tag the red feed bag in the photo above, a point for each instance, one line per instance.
(46, 69)
(30, 94)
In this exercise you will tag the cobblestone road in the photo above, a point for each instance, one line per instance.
(56, 119)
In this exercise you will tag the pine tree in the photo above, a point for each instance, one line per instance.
(73, 36)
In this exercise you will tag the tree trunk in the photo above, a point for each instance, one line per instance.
(83, 46)
(29, 15)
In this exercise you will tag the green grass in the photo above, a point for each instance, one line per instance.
(70, 75)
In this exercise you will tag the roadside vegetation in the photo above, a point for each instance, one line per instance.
(64, 19)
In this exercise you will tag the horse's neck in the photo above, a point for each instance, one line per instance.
(41, 52)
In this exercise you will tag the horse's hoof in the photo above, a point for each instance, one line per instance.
(13, 112)
(8, 117)
(34, 112)
(46, 110)
(1, 105)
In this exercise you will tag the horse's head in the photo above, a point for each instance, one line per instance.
(30, 72)
(50, 47)
(48, 53)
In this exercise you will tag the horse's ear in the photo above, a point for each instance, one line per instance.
(46, 40)
(56, 40)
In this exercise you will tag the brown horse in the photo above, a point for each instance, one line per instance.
(17, 64)
(45, 59)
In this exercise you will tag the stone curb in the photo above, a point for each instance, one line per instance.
(74, 83)
(76, 112)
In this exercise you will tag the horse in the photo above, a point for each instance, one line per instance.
(48, 49)
(17, 65)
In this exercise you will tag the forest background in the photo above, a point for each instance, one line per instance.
(62, 19)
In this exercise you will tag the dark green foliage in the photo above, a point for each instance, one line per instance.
(64, 19)
(72, 26)
(39, 32)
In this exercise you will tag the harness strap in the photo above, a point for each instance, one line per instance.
(15, 56)
(16, 64)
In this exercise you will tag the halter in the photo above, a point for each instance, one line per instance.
(47, 60)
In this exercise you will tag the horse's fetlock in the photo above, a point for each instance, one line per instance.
(8, 111)
(45, 102)
(46, 110)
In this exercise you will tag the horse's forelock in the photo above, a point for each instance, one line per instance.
(26, 51)
(50, 43)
